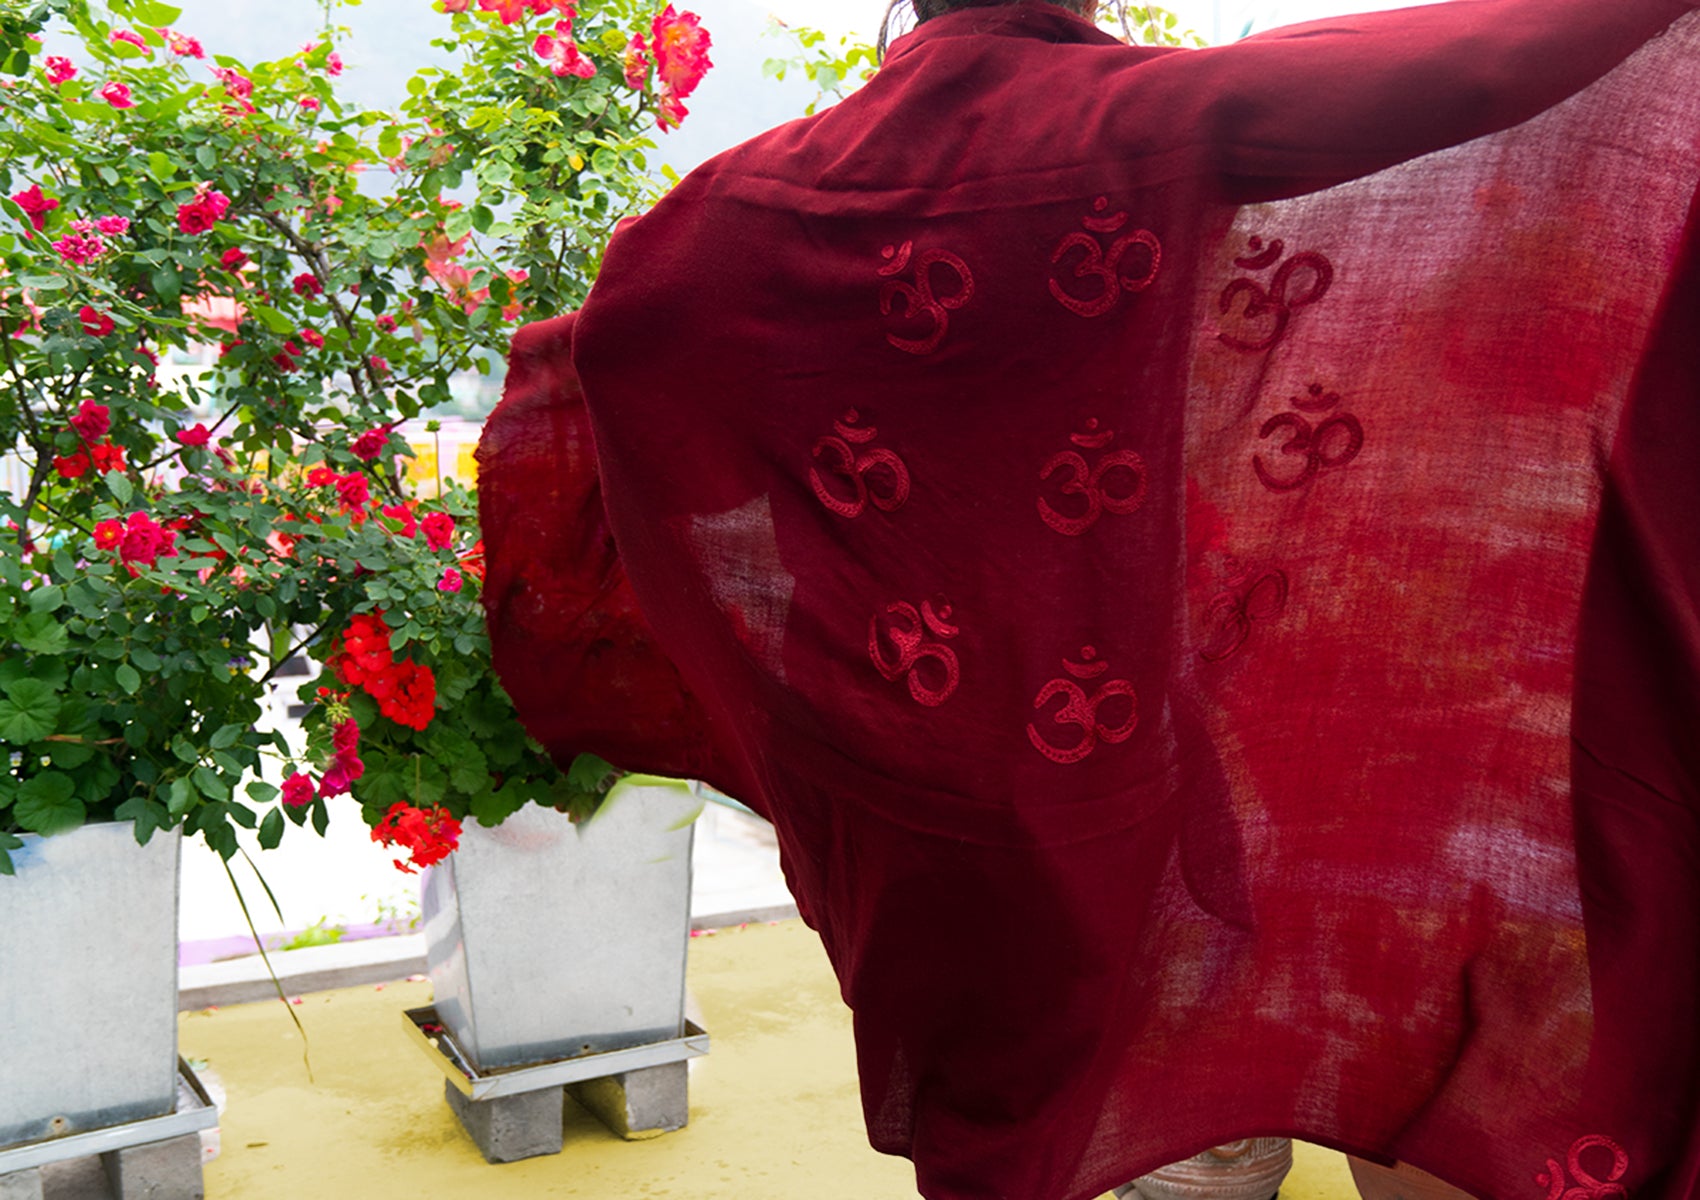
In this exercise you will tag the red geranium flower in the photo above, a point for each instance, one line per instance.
(428, 834)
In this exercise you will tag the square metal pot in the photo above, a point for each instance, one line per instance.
(547, 940)
(88, 982)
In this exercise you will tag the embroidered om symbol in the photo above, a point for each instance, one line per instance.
(1260, 303)
(875, 476)
(1332, 443)
(1093, 483)
(1228, 617)
(1588, 1186)
(906, 630)
(1105, 266)
(1081, 711)
(918, 297)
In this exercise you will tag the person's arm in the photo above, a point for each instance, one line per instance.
(569, 642)
(1304, 107)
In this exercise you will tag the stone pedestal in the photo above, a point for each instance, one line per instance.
(21, 1185)
(1401, 1182)
(638, 1104)
(1249, 1169)
(166, 1170)
(509, 1128)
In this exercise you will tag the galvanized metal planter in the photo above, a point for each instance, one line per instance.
(546, 940)
(88, 982)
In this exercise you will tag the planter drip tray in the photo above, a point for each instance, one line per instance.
(425, 1028)
(195, 1111)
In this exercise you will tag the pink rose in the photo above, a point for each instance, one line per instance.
(450, 582)
(131, 37)
(59, 69)
(115, 226)
(117, 94)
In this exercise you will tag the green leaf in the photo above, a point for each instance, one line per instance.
(182, 796)
(271, 829)
(29, 711)
(119, 484)
(166, 283)
(69, 755)
(211, 784)
(41, 633)
(44, 598)
(272, 319)
(151, 12)
(261, 792)
(47, 804)
(226, 736)
(129, 678)
(161, 166)
(144, 658)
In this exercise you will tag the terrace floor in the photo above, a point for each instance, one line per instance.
(774, 1112)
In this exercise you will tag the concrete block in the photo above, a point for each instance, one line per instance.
(638, 1104)
(21, 1185)
(167, 1170)
(509, 1128)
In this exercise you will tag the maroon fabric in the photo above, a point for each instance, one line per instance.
(1221, 656)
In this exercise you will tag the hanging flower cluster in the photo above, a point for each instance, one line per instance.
(406, 691)
(680, 45)
(91, 424)
(428, 834)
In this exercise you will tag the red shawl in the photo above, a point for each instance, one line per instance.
(1216, 666)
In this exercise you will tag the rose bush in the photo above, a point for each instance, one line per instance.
(221, 288)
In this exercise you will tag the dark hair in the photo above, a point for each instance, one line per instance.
(926, 10)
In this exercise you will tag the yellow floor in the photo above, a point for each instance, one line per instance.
(774, 1114)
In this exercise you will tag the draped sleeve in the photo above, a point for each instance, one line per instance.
(569, 641)
(1308, 106)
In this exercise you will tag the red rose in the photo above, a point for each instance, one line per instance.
(71, 466)
(352, 490)
(203, 212)
(298, 790)
(313, 338)
(95, 322)
(307, 284)
(233, 259)
(92, 421)
(439, 530)
(403, 515)
(107, 457)
(194, 439)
